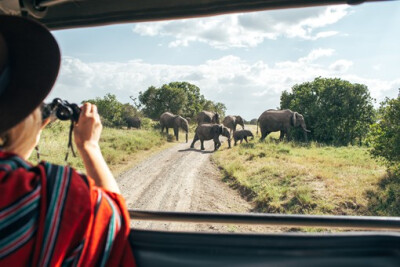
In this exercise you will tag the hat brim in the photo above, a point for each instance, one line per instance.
(34, 61)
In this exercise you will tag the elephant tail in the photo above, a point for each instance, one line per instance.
(257, 128)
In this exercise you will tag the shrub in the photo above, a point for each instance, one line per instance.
(385, 134)
(336, 111)
(385, 201)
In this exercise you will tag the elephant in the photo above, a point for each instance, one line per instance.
(169, 120)
(207, 117)
(134, 122)
(280, 120)
(242, 134)
(208, 131)
(231, 122)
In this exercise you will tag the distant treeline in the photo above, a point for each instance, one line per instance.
(180, 98)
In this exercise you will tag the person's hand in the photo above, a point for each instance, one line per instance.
(87, 130)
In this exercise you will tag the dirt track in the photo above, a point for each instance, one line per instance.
(181, 179)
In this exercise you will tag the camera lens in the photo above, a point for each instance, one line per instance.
(64, 113)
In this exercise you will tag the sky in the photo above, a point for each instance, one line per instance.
(243, 60)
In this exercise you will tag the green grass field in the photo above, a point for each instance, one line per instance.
(290, 178)
(121, 148)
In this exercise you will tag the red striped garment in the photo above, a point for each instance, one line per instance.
(51, 215)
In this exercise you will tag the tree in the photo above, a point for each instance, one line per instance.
(128, 111)
(337, 111)
(110, 110)
(180, 98)
(386, 132)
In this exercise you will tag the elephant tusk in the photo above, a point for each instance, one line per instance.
(307, 131)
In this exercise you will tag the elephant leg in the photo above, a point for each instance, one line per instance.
(235, 142)
(217, 144)
(162, 129)
(241, 140)
(263, 136)
(166, 129)
(176, 132)
(287, 131)
(282, 135)
(195, 138)
(202, 144)
(245, 139)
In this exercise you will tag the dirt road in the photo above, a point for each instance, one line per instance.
(181, 179)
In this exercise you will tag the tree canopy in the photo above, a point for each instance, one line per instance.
(112, 112)
(180, 98)
(386, 132)
(336, 111)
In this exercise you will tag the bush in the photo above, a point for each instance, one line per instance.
(385, 201)
(385, 139)
(385, 134)
(336, 111)
(148, 124)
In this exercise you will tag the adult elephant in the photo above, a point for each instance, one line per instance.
(169, 120)
(207, 117)
(208, 131)
(232, 121)
(280, 120)
(133, 122)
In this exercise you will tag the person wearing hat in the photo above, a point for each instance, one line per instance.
(51, 215)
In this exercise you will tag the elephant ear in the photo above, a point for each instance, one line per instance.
(220, 129)
(294, 119)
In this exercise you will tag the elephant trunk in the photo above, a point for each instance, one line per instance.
(185, 127)
(305, 131)
(303, 126)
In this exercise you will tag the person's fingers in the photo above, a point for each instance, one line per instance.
(86, 109)
(94, 109)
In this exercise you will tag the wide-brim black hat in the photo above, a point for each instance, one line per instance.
(29, 64)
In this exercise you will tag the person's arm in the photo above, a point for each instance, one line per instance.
(87, 133)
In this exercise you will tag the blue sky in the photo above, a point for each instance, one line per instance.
(242, 60)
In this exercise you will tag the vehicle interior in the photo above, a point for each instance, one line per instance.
(379, 246)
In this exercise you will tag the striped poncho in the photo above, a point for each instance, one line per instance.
(51, 215)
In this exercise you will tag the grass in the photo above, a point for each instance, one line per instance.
(121, 148)
(296, 178)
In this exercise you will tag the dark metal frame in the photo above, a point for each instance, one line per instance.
(352, 222)
(60, 14)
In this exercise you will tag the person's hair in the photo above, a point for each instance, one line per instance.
(18, 137)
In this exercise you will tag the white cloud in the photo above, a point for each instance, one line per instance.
(246, 88)
(341, 65)
(249, 29)
(317, 53)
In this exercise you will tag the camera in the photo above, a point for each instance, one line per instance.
(61, 109)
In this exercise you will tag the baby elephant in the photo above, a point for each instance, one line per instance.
(242, 134)
(211, 131)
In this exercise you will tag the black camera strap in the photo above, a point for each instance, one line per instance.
(70, 146)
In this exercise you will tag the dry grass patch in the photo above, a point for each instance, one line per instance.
(297, 178)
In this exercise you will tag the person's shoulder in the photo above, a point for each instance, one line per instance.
(63, 173)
